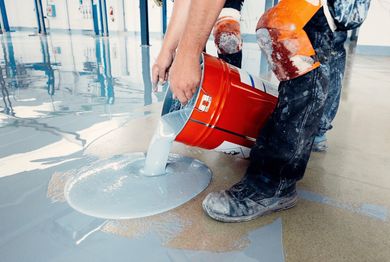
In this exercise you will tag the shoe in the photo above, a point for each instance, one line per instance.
(245, 201)
(320, 144)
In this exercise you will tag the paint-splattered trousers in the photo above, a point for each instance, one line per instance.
(337, 68)
(283, 147)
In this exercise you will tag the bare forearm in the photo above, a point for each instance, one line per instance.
(176, 24)
(184, 76)
(203, 14)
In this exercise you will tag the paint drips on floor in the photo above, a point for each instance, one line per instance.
(374, 211)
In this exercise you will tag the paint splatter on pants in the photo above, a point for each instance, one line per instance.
(283, 147)
(337, 68)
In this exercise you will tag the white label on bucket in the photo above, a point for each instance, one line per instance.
(233, 149)
(257, 83)
(205, 103)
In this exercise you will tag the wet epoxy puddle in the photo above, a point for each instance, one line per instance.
(114, 188)
(133, 186)
(137, 184)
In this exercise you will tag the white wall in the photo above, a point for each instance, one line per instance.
(132, 15)
(116, 19)
(132, 18)
(375, 31)
(250, 14)
(33, 54)
(61, 19)
(21, 13)
(80, 16)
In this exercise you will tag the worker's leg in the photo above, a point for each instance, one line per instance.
(337, 67)
(227, 35)
(283, 147)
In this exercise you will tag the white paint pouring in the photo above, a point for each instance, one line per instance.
(132, 186)
(169, 127)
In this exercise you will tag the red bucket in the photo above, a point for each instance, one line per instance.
(229, 109)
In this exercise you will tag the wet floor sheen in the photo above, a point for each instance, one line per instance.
(70, 100)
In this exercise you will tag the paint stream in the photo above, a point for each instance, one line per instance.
(168, 128)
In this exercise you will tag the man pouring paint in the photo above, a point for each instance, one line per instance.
(297, 37)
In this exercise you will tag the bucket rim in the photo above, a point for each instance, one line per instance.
(169, 95)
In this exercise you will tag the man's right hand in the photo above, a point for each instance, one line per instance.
(185, 75)
(161, 67)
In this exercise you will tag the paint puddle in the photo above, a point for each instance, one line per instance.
(115, 188)
(133, 186)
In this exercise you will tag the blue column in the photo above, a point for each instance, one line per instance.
(47, 67)
(104, 76)
(164, 16)
(145, 56)
(143, 6)
(40, 17)
(8, 109)
(4, 18)
(99, 66)
(9, 59)
(109, 82)
(103, 17)
(95, 17)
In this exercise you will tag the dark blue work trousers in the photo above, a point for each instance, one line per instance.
(283, 147)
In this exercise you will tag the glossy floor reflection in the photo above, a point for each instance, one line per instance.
(68, 100)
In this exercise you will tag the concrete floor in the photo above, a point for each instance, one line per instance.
(68, 100)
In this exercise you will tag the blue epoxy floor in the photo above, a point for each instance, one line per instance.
(67, 100)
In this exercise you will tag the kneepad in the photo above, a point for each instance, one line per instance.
(226, 32)
(281, 36)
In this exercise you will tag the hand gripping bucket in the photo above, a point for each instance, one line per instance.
(227, 111)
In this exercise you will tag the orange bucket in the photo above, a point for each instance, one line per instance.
(229, 109)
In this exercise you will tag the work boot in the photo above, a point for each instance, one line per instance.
(320, 144)
(245, 201)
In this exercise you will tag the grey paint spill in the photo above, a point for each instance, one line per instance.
(35, 228)
(115, 188)
(265, 245)
(374, 211)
